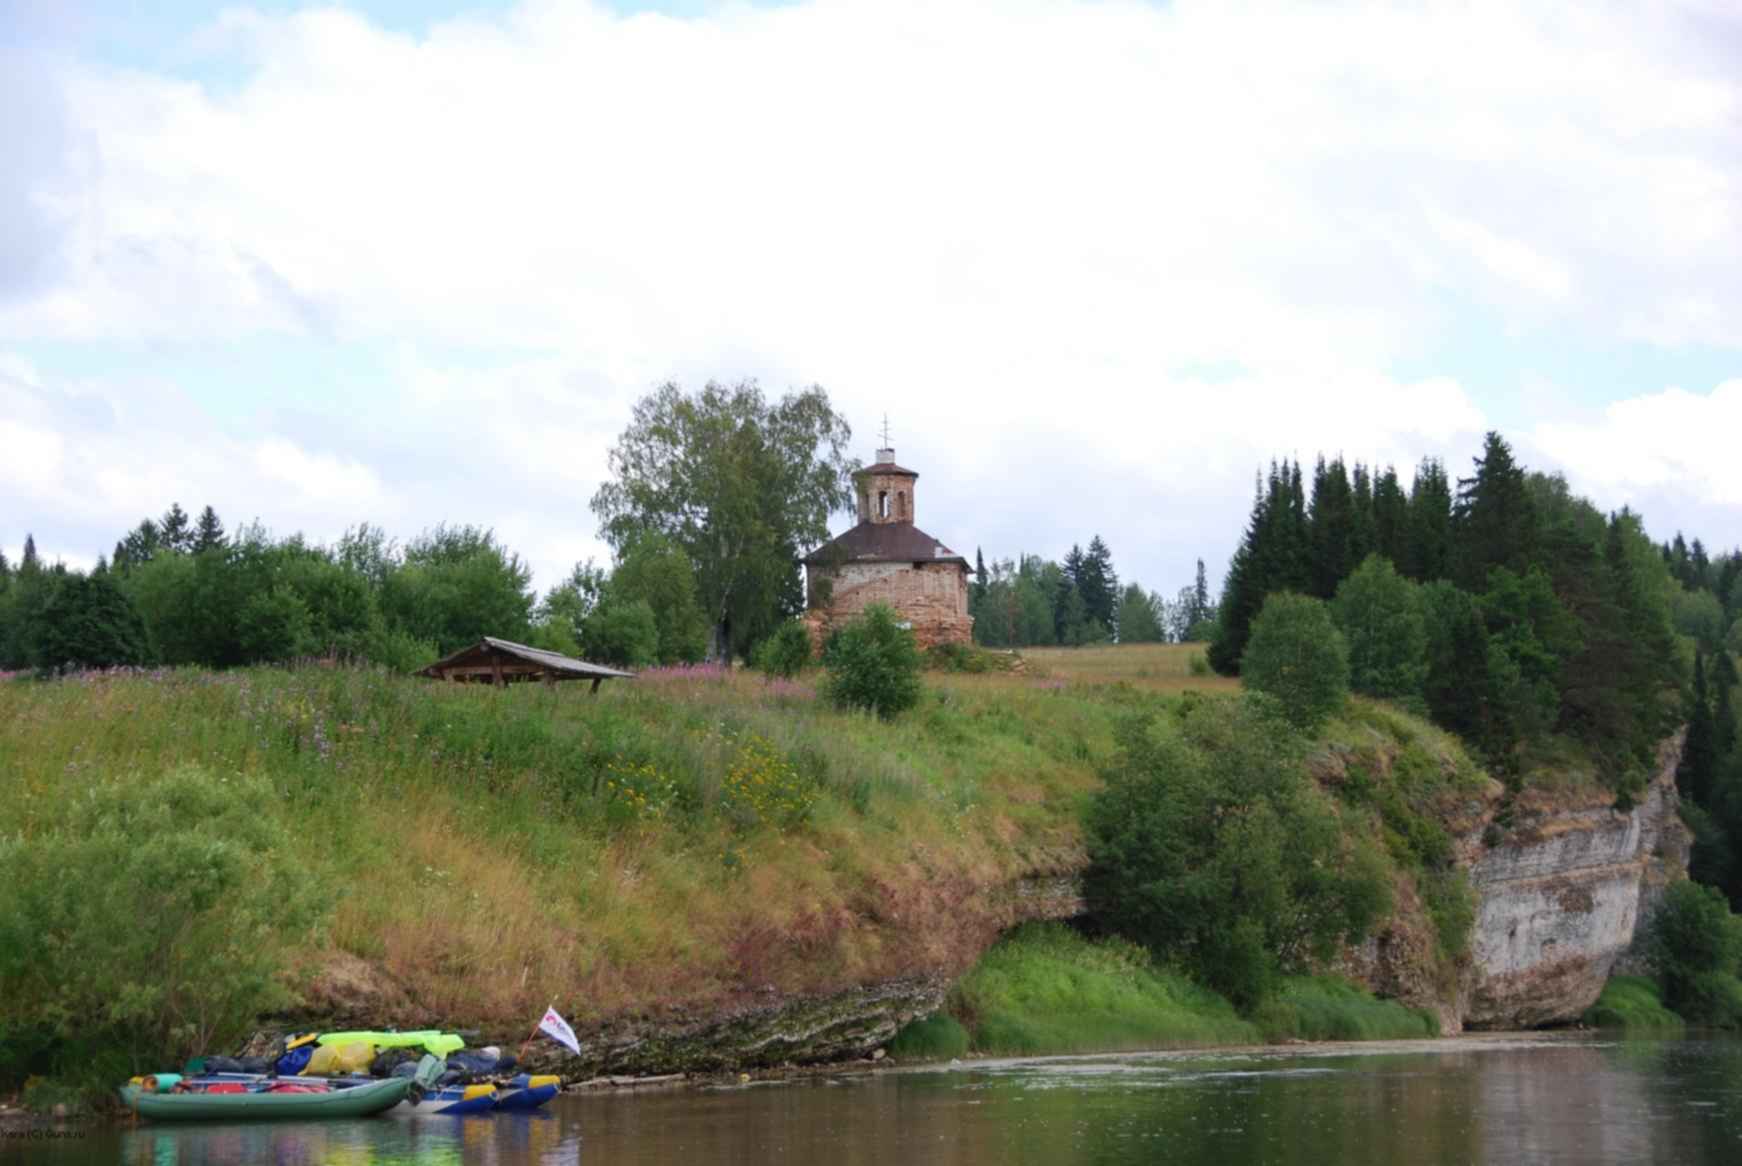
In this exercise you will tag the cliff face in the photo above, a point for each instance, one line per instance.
(1562, 899)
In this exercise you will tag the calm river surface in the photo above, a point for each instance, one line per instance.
(1460, 1100)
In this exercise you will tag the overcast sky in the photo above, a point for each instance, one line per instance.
(1096, 261)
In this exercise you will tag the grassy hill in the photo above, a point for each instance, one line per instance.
(677, 842)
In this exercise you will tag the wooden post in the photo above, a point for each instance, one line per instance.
(597, 680)
(496, 670)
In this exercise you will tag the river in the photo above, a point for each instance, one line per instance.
(1471, 1099)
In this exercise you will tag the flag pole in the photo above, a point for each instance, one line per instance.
(533, 1035)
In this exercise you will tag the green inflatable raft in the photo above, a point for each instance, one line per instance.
(358, 1101)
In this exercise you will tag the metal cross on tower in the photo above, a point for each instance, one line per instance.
(885, 432)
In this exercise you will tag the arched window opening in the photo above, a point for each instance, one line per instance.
(883, 503)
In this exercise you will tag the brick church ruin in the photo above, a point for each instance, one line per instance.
(887, 559)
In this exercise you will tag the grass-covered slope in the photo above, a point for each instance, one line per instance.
(671, 840)
(465, 856)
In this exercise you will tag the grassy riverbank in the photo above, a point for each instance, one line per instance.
(1045, 989)
(464, 856)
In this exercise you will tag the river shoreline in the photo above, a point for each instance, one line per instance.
(18, 1123)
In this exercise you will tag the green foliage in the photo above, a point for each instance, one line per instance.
(1699, 616)
(622, 632)
(1633, 1004)
(655, 569)
(1139, 619)
(1379, 613)
(87, 622)
(1045, 989)
(873, 664)
(739, 484)
(1297, 655)
(152, 917)
(934, 1038)
(274, 625)
(786, 653)
(1318, 1008)
(456, 585)
(1692, 932)
(1212, 847)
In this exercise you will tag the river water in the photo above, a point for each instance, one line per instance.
(1503, 1100)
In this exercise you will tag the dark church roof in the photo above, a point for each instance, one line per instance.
(883, 542)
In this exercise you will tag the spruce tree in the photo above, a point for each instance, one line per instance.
(1243, 587)
(208, 531)
(1200, 597)
(29, 564)
(1363, 534)
(5, 571)
(1098, 583)
(1723, 708)
(1331, 528)
(1429, 555)
(1391, 519)
(1694, 774)
(175, 530)
(1494, 521)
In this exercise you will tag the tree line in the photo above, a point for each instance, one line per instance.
(1031, 601)
(1505, 607)
(713, 493)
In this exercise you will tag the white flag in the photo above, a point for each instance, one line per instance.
(558, 1030)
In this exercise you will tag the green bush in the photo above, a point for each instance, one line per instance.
(1696, 945)
(873, 664)
(146, 922)
(935, 1038)
(1212, 846)
(965, 658)
(786, 652)
(1297, 655)
(1634, 1004)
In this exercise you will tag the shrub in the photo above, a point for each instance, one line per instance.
(147, 921)
(873, 664)
(935, 1038)
(1197, 665)
(786, 652)
(1696, 944)
(1211, 846)
(1297, 655)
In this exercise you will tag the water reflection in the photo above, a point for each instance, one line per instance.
(1426, 1102)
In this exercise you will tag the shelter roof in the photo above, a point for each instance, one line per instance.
(554, 661)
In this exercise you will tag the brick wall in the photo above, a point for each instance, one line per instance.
(932, 597)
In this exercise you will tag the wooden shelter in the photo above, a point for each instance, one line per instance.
(493, 661)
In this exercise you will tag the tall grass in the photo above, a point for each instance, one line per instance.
(1046, 989)
(485, 859)
(1635, 1005)
(1326, 1008)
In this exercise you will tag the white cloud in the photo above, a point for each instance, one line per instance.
(1023, 230)
(1666, 443)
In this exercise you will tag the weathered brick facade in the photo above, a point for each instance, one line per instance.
(887, 559)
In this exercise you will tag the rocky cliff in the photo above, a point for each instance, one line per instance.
(1562, 898)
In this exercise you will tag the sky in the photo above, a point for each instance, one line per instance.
(408, 262)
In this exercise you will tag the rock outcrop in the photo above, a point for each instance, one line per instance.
(1562, 898)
